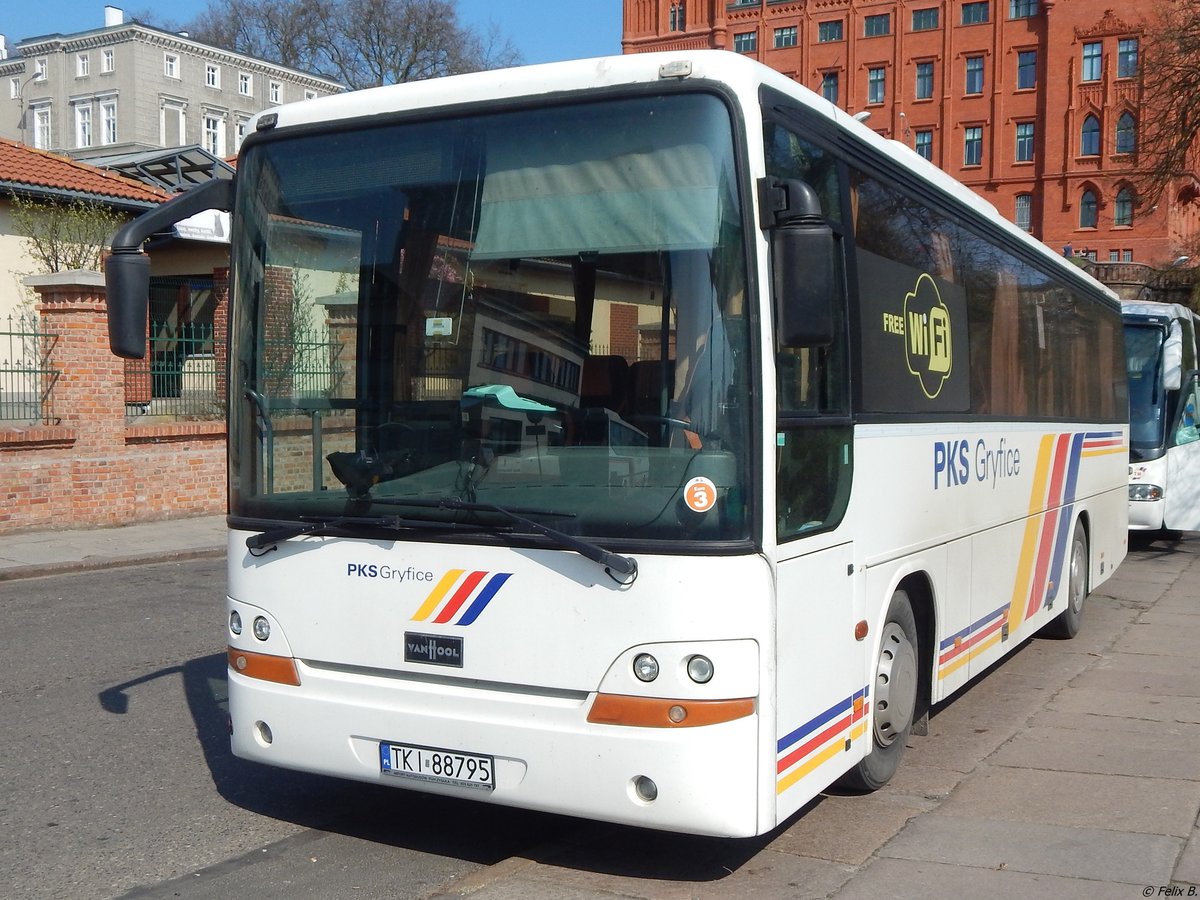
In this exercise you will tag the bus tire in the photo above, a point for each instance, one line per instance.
(1066, 624)
(893, 696)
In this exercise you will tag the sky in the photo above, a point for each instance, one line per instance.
(543, 30)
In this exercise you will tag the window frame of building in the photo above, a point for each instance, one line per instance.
(171, 65)
(877, 25)
(973, 84)
(923, 143)
(275, 91)
(1026, 133)
(976, 13)
(830, 31)
(1023, 211)
(745, 42)
(14, 88)
(41, 69)
(1089, 136)
(972, 146)
(926, 19)
(178, 108)
(108, 121)
(108, 61)
(1026, 70)
(212, 132)
(1127, 57)
(43, 126)
(1123, 209)
(923, 89)
(212, 76)
(245, 84)
(1089, 209)
(84, 136)
(1022, 9)
(876, 85)
(83, 65)
(786, 36)
(677, 20)
(1092, 66)
(1127, 255)
(1126, 133)
(830, 80)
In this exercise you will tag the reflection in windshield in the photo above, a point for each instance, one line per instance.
(541, 309)
(1143, 360)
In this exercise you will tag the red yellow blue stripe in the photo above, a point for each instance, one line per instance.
(450, 595)
(820, 739)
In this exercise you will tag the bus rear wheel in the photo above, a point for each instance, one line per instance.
(1066, 624)
(894, 698)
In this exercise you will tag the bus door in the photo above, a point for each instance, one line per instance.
(1182, 496)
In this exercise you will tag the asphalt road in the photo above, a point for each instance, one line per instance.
(116, 778)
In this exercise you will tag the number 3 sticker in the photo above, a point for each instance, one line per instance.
(700, 494)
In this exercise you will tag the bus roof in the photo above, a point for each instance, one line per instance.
(741, 73)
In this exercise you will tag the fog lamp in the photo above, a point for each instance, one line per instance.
(645, 667)
(700, 669)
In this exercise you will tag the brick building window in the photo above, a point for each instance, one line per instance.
(974, 75)
(785, 37)
(1127, 57)
(1126, 133)
(1087, 210)
(925, 19)
(1026, 69)
(829, 86)
(876, 85)
(923, 144)
(1123, 208)
(1024, 212)
(924, 80)
(1024, 142)
(975, 13)
(1089, 137)
(746, 42)
(973, 146)
(875, 26)
(678, 19)
(1022, 9)
(828, 32)
(1093, 61)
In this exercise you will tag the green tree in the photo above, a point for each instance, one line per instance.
(63, 236)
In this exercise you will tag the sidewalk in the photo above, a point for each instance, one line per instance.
(33, 553)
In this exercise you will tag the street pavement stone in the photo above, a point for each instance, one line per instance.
(902, 879)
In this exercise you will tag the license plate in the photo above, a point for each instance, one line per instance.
(437, 766)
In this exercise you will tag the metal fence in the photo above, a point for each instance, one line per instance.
(26, 376)
(178, 376)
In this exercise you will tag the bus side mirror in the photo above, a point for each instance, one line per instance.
(803, 268)
(127, 269)
(127, 281)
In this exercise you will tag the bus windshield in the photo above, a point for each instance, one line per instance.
(1147, 400)
(543, 310)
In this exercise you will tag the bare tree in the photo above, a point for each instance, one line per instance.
(362, 43)
(1169, 118)
(64, 236)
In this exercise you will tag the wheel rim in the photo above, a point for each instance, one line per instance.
(1078, 577)
(895, 685)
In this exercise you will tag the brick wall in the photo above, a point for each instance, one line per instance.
(84, 465)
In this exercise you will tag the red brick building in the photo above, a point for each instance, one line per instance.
(1034, 104)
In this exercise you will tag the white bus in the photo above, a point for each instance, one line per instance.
(1164, 395)
(838, 437)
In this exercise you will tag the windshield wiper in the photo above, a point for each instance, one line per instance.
(624, 566)
(395, 523)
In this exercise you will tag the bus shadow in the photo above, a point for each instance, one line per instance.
(475, 832)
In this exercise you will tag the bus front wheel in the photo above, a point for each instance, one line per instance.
(894, 697)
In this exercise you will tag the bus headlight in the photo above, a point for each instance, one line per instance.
(700, 669)
(235, 622)
(645, 667)
(262, 628)
(1145, 492)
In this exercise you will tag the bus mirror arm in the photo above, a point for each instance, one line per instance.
(127, 268)
(803, 254)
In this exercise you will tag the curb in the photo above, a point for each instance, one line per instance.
(91, 564)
